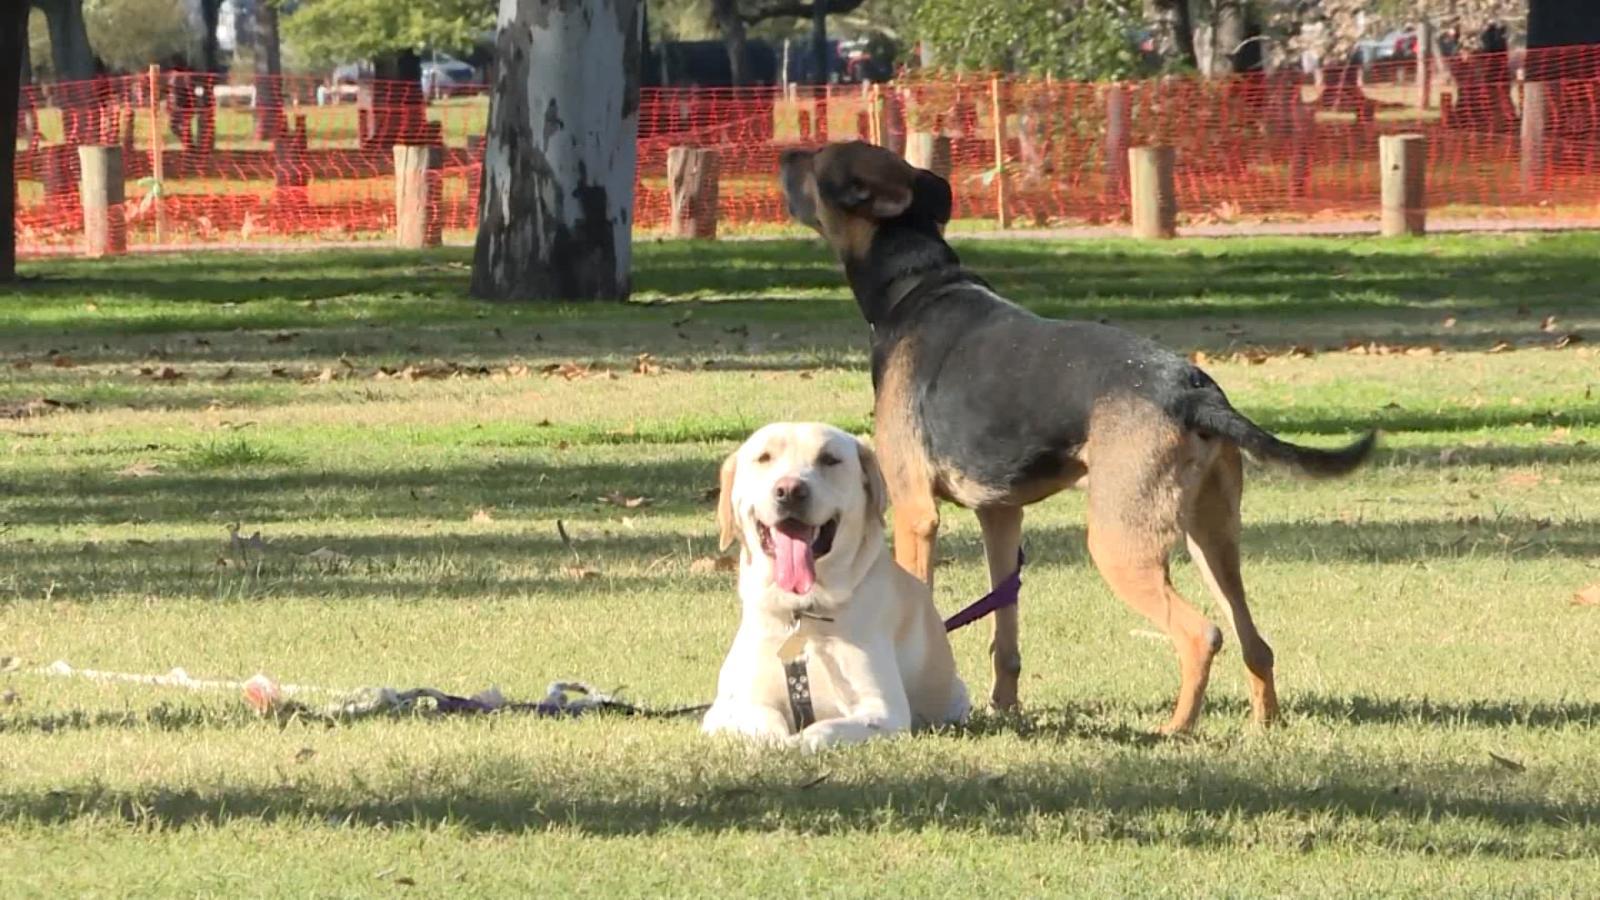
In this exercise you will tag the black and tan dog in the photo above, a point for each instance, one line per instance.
(985, 404)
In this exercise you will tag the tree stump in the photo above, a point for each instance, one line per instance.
(1117, 129)
(1403, 159)
(290, 174)
(417, 195)
(105, 227)
(1535, 116)
(1155, 198)
(930, 151)
(1302, 147)
(692, 179)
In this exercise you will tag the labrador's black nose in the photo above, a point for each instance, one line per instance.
(791, 491)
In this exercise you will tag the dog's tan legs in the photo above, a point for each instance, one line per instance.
(1142, 471)
(916, 533)
(1140, 578)
(1002, 535)
(1213, 534)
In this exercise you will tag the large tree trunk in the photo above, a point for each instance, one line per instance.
(203, 16)
(75, 66)
(726, 14)
(69, 39)
(1183, 32)
(1218, 28)
(1230, 34)
(398, 110)
(13, 56)
(269, 72)
(556, 209)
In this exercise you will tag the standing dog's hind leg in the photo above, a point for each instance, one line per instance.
(1213, 533)
(1002, 537)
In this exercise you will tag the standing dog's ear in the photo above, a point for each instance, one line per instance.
(865, 180)
(931, 198)
(872, 481)
(727, 521)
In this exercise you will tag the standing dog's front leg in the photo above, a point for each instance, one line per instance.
(1002, 537)
(870, 692)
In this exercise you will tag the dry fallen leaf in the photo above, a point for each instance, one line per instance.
(618, 498)
(1522, 479)
(327, 556)
(140, 469)
(569, 370)
(705, 565)
(1589, 596)
(1511, 764)
(38, 406)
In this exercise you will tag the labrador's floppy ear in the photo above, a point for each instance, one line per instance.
(872, 480)
(727, 521)
(865, 179)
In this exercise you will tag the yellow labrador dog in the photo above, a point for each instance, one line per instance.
(817, 584)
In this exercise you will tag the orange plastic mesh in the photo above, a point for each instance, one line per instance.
(289, 160)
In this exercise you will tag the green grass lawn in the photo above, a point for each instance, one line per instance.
(1439, 684)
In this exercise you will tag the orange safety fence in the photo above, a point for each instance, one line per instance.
(283, 160)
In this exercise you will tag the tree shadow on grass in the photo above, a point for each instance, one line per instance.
(1135, 790)
(1075, 279)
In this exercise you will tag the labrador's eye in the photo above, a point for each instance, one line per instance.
(827, 459)
(764, 458)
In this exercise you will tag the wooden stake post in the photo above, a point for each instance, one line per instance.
(105, 229)
(416, 196)
(692, 175)
(1403, 159)
(1155, 199)
(997, 110)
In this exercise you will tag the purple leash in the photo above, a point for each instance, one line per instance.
(1004, 594)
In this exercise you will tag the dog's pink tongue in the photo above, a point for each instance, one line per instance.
(794, 566)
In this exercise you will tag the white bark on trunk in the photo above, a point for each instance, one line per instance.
(556, 209)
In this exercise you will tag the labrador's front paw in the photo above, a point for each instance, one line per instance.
(835, 732)
(758, 724)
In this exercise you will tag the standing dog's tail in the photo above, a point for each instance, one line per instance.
(1212, 412)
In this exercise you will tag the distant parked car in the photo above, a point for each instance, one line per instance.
(444, 76)
(352, 73)
(1396, 45)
